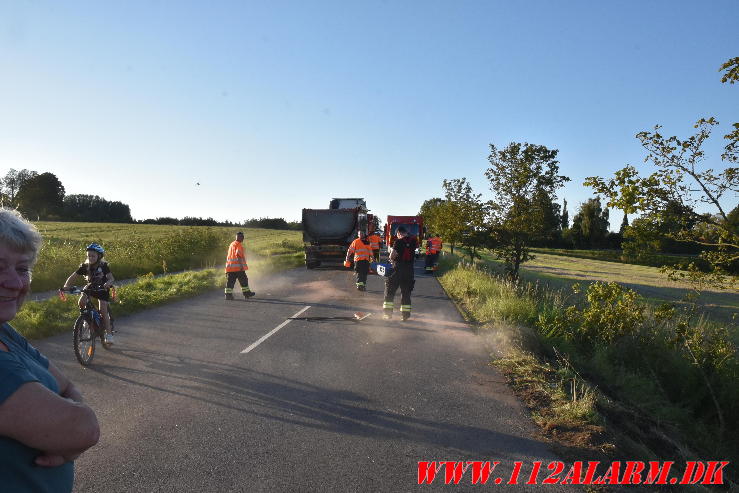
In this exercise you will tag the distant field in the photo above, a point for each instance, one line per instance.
(653, 260)
(136, 249)
(561, 272)
(103, 232)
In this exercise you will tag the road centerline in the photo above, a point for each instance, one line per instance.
(268, 334)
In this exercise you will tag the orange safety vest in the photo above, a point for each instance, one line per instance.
(433, 245)
(360, 250)
(236, 258)
(374, 242)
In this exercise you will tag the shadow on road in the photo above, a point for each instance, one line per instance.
(279, 399)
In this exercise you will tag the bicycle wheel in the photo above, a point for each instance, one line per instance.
(83, 339)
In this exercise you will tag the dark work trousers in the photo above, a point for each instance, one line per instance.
(361, 267)
(402, 277)
(431, 260)
(231, 281)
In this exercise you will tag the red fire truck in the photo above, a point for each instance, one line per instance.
(414, 225)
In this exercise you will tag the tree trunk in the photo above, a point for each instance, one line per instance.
(516, 263)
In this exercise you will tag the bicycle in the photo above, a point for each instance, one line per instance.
(88, 326)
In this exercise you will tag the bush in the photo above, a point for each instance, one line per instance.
(612, 312)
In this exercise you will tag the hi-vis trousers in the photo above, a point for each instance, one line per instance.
(231, 282)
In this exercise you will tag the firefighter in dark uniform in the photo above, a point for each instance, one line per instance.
(402, 257)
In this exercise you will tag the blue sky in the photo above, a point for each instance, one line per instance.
(275, 106)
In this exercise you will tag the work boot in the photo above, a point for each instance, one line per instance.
(108, 337)
(362, 288)
(405, 316)
(249, 294)
(229, 296)
(387, 314)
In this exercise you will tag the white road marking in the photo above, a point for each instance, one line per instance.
(268, 334)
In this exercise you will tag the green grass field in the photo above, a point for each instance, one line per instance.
(562, 272)
(653, 260)
(136, 249)
(113, 233)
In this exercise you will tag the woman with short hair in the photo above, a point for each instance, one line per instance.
(44, 425)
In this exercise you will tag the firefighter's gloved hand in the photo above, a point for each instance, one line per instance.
(347, 264)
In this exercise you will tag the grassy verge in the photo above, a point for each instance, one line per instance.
(46, 318)
(608, 374)
(561, 272)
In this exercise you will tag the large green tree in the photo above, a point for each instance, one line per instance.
(551, 219)
(732, 219)
(731, 75)
(430, 211)
(680, 181)
(590, 226)
(41, 197)
(12, 183)
(520, 175)
(565, 216)
(460, 218)
(472, 215)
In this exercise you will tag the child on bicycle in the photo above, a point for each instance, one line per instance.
(99, 279)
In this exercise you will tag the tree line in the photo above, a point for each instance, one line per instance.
(669, 203)
(42, 197)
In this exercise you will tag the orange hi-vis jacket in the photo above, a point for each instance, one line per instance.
(374, 242)
(433, 245)
(360, 250)
(236, 258)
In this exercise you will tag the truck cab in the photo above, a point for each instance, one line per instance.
(351, 203)
(414, 225)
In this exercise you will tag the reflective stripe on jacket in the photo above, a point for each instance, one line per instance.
(360, 250)
(236, 258)
(433, 245)
(374, 242)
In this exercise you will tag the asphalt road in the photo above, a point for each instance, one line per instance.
(319, 405)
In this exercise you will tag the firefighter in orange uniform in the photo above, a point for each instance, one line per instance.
(236, 268)
(433, 248)
(374, 242)
(361, 251)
